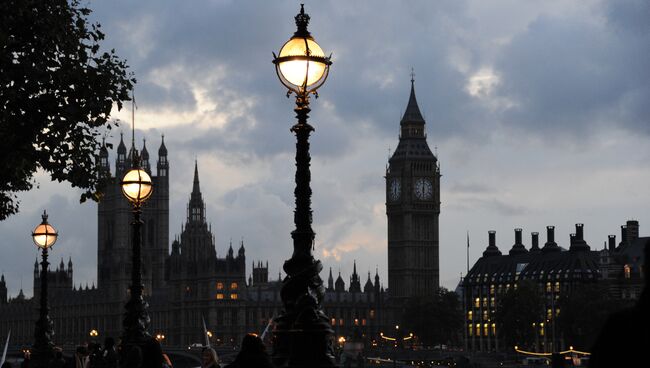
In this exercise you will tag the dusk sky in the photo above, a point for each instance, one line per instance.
(540, 112)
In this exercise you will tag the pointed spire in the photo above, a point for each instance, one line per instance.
(145, 152)
(195, 186)
(412, 113)
(61, 265)
(121, 148)
(70, 262)
(162, 150)
(354, 271)
(2, 279)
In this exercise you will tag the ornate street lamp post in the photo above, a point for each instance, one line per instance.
(137, 188)
(44, 236)
(303, 336)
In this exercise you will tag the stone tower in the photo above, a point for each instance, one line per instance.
(114, 225)
(413, 208)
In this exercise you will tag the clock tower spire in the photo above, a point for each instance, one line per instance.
(413, 209)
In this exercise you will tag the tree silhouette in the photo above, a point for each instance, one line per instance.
(437, 319)
(517, 310)
(56, 94)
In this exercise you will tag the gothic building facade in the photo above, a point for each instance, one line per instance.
(185, 287)
(413, 209)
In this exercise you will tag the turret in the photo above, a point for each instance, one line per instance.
(339, 286)
(491, 249)
(241, 253)
(230, 252)
(518, 247)
(120, 162)
(163, 164)
(377, 285)
(367, 288)
(196, 206)
(355, 282)
(144, 157)
(104, 167)
(330, 281)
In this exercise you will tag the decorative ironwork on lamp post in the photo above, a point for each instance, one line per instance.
(44, 236)
(303, 336)
(137, 188)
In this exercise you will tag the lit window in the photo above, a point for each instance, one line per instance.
(541, 329)
(494, 329)
(478, 329)
(627, 271)
(492, 303)
(233, 286)
(363, 322)
(557, 312)
(557, 286)
(372, 313)
(485, 315)
(219, 285)
(356, 322)
(469, 315)
(477, 302)
(548, 287)
(549, 314)
(219, 296)
(485, 329)
(234, 296)
(470, 330)
(340, 321)
(492, 289)
(484, 302)
(333, 321)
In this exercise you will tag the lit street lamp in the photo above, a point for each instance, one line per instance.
(395, 341)
(44, 236)
(137, 188)
(303, 336)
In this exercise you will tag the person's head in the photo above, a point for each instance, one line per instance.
(209, 356)
(109, 343)
(252, 343)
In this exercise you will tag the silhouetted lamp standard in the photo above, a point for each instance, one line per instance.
(303, 336)
(44, 236)
(137, 188)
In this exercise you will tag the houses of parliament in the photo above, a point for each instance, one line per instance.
(188, 282)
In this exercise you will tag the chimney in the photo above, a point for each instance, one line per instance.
(632, 230)
(493, 238)
(572, 238)
(534, 241)
(551, 245)
(580, 235)
(550, 234)
(518, 247)
(492, 249)
(517, 236)
(612, 242)
(623, 235)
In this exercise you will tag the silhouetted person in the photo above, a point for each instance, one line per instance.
(27, 357)
(57, 361)
(81, 357)
(252, 355)
(209, 358)
(110, 355)
(95, 356)
(152, 355)
(625, 338)
(133, 357)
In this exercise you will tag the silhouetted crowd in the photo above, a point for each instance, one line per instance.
(149, 354)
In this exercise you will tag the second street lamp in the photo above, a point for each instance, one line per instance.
(137, 188)
(303, 336)
(44, 236)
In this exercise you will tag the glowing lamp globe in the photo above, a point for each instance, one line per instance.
(302, 65)
(137, 186)
(44, 235)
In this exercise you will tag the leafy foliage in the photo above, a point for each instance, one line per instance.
(517, 310)
(583, 313)
(56, 94)
(435, 320)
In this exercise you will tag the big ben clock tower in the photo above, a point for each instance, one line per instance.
(413, 208)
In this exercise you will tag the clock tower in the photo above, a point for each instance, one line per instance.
(413, 208)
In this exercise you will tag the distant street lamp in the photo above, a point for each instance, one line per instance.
(395, 341)
(303, 336)
(93, 333)
(44, 236)
(137, 188)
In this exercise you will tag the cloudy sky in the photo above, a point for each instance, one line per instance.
(539, 111)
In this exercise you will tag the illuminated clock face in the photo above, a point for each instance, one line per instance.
(394, 190)
(423, 189)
